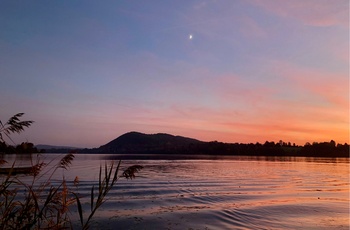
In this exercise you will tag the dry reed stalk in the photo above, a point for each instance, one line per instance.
(44, 206)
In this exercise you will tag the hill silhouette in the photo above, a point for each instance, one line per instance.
(135, 142)
(162, 143)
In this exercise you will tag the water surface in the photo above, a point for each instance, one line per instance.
(220, 192)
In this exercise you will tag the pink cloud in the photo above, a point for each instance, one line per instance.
(222, 23)
(231, 125)
(315, 13)
(331, 87)
(298, 105)
(316, 99)
(337, 47)
(250, 28)
(301, 105)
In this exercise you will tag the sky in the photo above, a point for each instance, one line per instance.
(229, 70)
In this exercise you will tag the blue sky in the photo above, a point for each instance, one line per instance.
(87, 72)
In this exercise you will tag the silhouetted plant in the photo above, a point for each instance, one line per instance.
(130, 172)
(13, 125)
(33, 204)
(105, 184)
(42, 205)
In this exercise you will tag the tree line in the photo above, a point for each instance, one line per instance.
(281, 148)
(322, 149)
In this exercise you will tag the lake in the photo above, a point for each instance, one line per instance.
(221, 192)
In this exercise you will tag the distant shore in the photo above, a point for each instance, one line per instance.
(167, 144)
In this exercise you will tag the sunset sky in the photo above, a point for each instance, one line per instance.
(229, 70)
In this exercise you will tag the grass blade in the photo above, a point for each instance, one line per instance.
(115, 177)
(80, 209)
(99, 179)
(92, 198)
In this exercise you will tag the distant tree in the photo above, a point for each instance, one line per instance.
(269, 144)
(281, 143)
(332, 143)
(26, 147)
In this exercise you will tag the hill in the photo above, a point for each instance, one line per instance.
(161, 143)
(135, 142)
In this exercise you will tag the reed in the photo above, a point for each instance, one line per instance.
(40, 204)
(44, 205)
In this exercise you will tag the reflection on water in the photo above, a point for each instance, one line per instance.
(214, 192)
(218, 157)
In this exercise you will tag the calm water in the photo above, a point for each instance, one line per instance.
(221, 193)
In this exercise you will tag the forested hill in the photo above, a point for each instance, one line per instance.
(134, 142)
(139, 143)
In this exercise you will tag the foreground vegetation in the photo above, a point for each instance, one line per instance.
(38, 203)
(35, 202)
